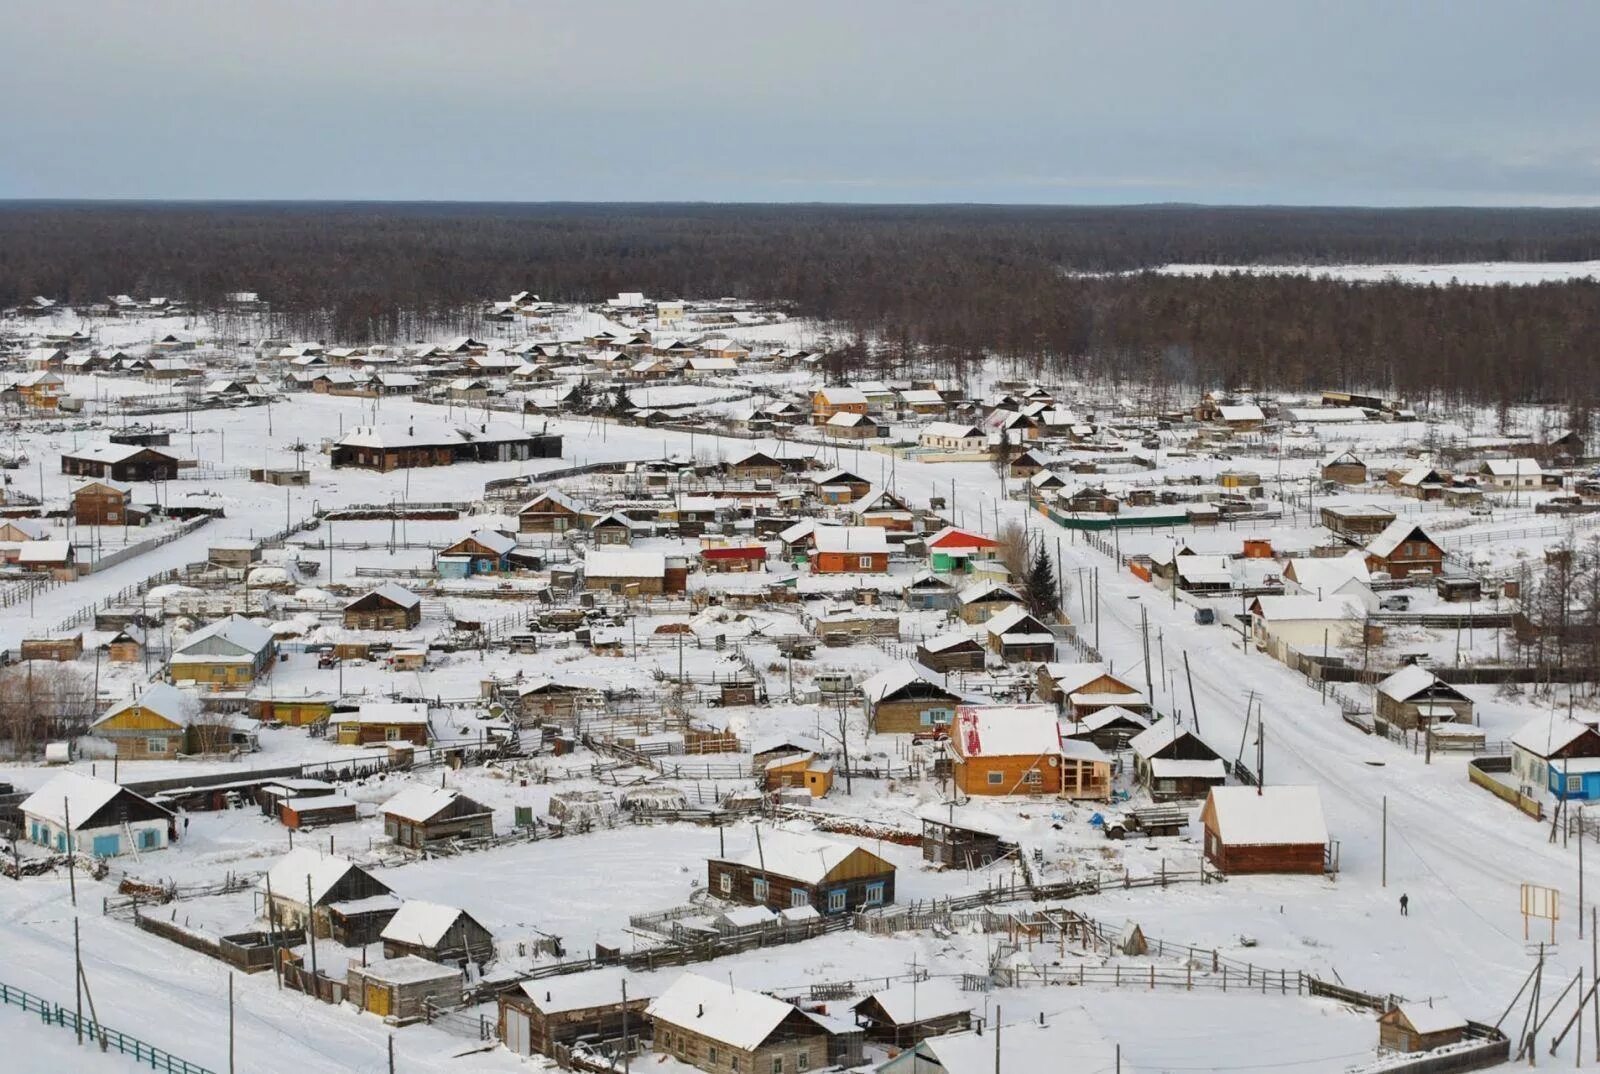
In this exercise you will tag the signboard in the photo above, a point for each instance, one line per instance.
(1543, 903)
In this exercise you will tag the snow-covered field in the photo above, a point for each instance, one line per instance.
(1472, 274)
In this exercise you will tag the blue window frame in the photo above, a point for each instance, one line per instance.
(875, 893)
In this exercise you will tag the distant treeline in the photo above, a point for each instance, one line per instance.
(942, 284)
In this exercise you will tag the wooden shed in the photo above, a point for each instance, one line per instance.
(1265, 830)
(1420, 1027)
(443, 934)
(907, 1013)
(539, 1017)
(787, 869)
(420, 815)
(389, 607)
(401, 989)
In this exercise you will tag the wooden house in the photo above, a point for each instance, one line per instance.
(839, 486)
(1557, 755)
(945, 653)
(482, 552)
(54, 648)
(787, 869)
(1346, 468)
(953, 549)
(1420, 1027)
(316, 811)
(826, 402)
(851, 427)
(611, 529)
(904, 1014)
(405, 989)
(232, 651)
(442, 934)
(73, 812)
(235, 553)
(799, 771)
(59, 558)
(546, 697)
(120, 462)
(630, 573)
(908, 698)
(1415, 697)
(550, 512)
(1084, 688)
(953, 438)
(733, 559)
(389, 607)
(338, 897)
(41, 389)
(153, 724)
(541, 1016)
(1265, 830)
(1007, 749)
(1025, 465)
(1172, 764)
(1018, 636)
(981, 600)
(378, 722)
(421, 815)
(755, 466)
(849, 550)
(294, 711)
(98, 502)
(720, 1028)
(1404, 549)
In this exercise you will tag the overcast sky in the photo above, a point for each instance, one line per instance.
(865, 100)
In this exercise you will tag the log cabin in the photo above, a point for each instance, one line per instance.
(421, 815)
(341, 899)
(720, 1028)
(907, 698)
(443, 934)
(1265, 830)
(1170, 763)
(539, 1017)
(785, 869)
(389, 607)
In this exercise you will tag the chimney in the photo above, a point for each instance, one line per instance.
(701, 1013)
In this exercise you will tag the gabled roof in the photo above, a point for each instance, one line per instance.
(391, 592)
(422, 924)
(798, 855)
(170, 703)
(1109, 715)
(735, 1016)
(988, 591)
(1547, 736)
(493, 540)
(951, 537)
(71, 792)
(1070, 678)
(1410, 681)
(1241, 412)
(1268, 816)
(251, 637)
(1158, 736)
(556, 497)
(897, 677)
(1006, 731)
(905, 1004)
(1007, 620)
(421, 804)
(865, 540)
(289, 875)
(1394, 535)
(612, 564)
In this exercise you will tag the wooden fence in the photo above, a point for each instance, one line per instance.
(1480, 771)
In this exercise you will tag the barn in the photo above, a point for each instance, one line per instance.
(442, 934)
(540, 1017)
(1265, 830)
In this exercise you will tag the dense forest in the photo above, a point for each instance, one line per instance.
(939, 284)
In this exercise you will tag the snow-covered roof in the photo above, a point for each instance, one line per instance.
(408, 969)
(951, 430)
(798, 855)
(390, 591)
(420, 923)
(581, 991)
(1406, 683)
(1434, 1016)
(288, 875)
(1111, 714)
(493, 540)
(1240, 412)
(1268, 816)
(386, 712)
(897, 677)
(942, 642)
(735, 1016)
(613, 564)
(1303, 607)
(1006, 731)
(1513, 468)
(1546, 736)
(859, 539)
(251, 637)
(1025, 1046)
(79, 795)
(1070, 678)
(418, 803)
(44, 552)
(1005, 620)
(1394, 534)
(178, 706)
(916, 1002)
(838, 396)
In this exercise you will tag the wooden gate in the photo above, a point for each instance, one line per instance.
(378, 998)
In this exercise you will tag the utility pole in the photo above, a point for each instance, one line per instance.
(1194, 708)
(230, 1023)
(72, 873)
(1144, 632)
(311, 930)
(1261, 754)
(391, 1053)
(77, 977)
(997, 1038)
(627, 1051)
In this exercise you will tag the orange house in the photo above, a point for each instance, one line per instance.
(850, 550)
(1006, 749)
(826, 402)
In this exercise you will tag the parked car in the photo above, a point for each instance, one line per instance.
(1205, 616)
(1399, 602)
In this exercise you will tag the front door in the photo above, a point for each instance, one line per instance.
(378, 999)
(107, 846)
(517, 1031)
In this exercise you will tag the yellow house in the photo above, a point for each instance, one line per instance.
(801, 770)
(294, 711)
(156, 724)
(229, 652)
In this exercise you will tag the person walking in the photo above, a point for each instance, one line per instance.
(1405, 905)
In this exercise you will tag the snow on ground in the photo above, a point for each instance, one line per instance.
(1481, 273)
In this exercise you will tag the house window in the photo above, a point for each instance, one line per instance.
(874, 898)
(799, 898)
(725, 883)
(391, 734)
(866, 563)
(711, 1054)
(996, 778)
(758, 889)
(1033, 776)
(1574, 784)
(802, 1061)
(836, 901)
(777, 1064)
(733, 1063)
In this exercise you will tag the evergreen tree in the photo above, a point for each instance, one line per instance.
(1040, 590)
